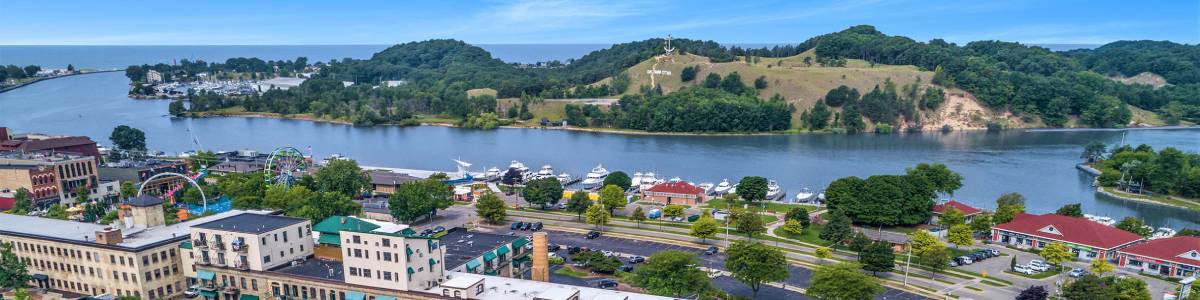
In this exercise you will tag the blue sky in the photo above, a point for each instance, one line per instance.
(223, 22)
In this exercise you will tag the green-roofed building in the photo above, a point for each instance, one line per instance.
(330, 227)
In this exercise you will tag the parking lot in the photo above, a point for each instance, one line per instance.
(799, 276)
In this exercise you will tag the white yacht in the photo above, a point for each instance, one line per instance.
(595, 177)
(707, 186)
(565, 178)
(675, 179)
(723, 187)
(805, 195)
(492, 173)
(546, 172)
(649, 180)
(1162, 233)
(636, 180)
(774, 191)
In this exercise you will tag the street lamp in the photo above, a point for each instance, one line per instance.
(907, 261)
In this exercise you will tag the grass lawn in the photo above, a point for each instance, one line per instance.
(811, 235)
(1042, 275)
(1157, 198)
(567, 271)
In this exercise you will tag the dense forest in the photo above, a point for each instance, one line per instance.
(1032, 82)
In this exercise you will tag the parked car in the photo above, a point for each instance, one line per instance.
(994, 252)
(537, 226)
(553, 247)
(574, 249)
(607, 284)
(626, 268)
(516, 225)
(953, 263)
(637, 259)
(439, 229)
(592, 234)
(192, 292)
(963, 260)
(711, 250)
(607, 253)
(1038, 265)
(562, 205)
(551, 255)
(1077, 272)
(526, 226)
(1023, 269)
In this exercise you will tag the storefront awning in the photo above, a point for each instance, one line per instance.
(472, 264)
(205, 275)
(519, 242)
(208, 294)
(502, 250)
(352, 295)
(381, 297)
(247, 297)
(489, 256)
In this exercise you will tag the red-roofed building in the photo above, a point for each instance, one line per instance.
(968, 211)
(675, 193)
(1175, 256)
(32, 142)
(1087, 239)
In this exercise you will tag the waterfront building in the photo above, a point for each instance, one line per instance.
(50, 177)
(33, 142)
(675, 193)
(384, 182)
(328, 233)
(139, 171)
(1087, 239)
(969, 212)
(1176, 257)
(153, 76)
(137, 256)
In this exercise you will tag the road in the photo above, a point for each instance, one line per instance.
(799, 278)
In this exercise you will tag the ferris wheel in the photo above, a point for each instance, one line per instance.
(284, 166)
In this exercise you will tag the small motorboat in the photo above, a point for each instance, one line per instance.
(805, 195)
(1162, 233)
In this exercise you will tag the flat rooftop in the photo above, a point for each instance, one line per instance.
(462, 246)
(503, 288)
(251, 223)
(85, 233)
(314, 268)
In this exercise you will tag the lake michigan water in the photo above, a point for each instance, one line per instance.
(1038, 164)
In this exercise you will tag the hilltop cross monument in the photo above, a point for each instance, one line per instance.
(668, 56)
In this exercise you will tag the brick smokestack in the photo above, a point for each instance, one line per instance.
(4, 134)
(541, 261)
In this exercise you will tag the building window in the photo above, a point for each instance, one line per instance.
(266, 259)
(356, 239)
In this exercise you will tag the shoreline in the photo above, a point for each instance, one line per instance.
(1130, 197)
(2, 90)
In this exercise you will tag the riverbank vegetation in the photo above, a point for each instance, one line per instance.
(1037, 85)
(1141, 170)
(892, 200)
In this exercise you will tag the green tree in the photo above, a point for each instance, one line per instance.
(491, 208)
(579, 203)
(324, 205)
(704, 228)
(597, 215)
(841, 95)
(1093, 151)
(793, 227)
(859, 242)
(673, 210)
(752, 188)
(842, 282)
(1070, 210)
(878, 257)
(542, 192)
(57, 211)
(21, 294)
(935, 260)
(800, 214)
(942, 178)
(1134, 225)
(1008, 206)
(982, 223)
(960, 235)
(753, 264)
(619, 179)
(823, 253)
(342, 176)
(760, 82)
(415, 199)
(21, 203)
(837, 229)
(818, 116)
(638, 216)
(1036, 292)
(1089, 287)
(1131, 288)
(922, 241)
(176, 108)
(1100, 266)
(129, 190)
(672, 273)
(13, 273)
(612, 197)
(1056, 253)
(712, 81)
(128, 138)
(688, 73)
(951, 216)
(747, 222)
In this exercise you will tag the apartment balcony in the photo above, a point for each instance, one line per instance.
(202, 244)
(217, 245)
(203, 262)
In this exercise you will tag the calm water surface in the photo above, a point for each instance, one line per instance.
(1039, 165)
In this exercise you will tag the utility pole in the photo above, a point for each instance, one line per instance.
(907, 261)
